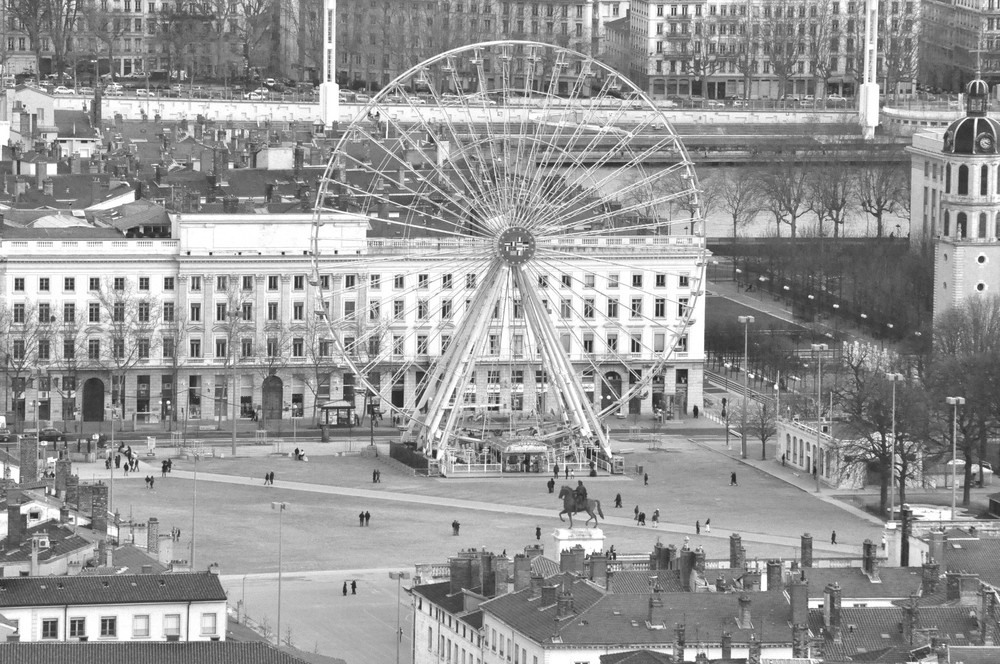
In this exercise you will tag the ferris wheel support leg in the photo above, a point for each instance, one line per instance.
(569, 383)
(456, 370)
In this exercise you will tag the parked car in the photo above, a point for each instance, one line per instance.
(63, 90)
(253, 96)
(113, 92)
(51, 435)
(143, 92)
(836, 99)
(269, 82)
(7, 437)
(86, 92)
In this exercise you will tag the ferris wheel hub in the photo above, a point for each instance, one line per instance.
(516, 246)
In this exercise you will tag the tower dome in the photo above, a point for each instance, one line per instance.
(975, 134)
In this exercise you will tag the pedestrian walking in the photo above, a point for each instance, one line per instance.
(374, 476)
(833, 537)
(163, 468)
(151, 480)
(656, 518)
(555, 471)
(170, 465)
(697, 527)
(884, 543)
(695, 409)
(538, 533)
(378, 475)
(345, 589)
(118, 461)
(642, 518)
(783, 458)
(551, 485)
(368, 517)
(361, 519)
(354, 587)
(732, 479)
(636, 512)
(708, 525)
(645, 479)
(178, 534)
(271, 479)
(613, 553)
(455, 525)
(572, 473)
(566, 474)
(618, 500)
(267, 478)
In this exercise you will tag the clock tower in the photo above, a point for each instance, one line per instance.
(967, 241)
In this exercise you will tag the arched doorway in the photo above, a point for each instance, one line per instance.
(272, 389)
(611, 389)
(93, 400)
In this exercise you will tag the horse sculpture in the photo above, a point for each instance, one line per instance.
(570, 507)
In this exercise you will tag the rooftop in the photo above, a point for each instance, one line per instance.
(89, 590)
(153, 652)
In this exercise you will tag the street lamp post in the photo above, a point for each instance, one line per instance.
(745, 321)
(818, 349)
(398, 576)
(893, 378)
(281, 507)
(954, 402)
(725, 407)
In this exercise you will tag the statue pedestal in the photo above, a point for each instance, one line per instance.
(591, 539)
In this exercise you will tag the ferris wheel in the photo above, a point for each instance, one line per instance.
(533, 253)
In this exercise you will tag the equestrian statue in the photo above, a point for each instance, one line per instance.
(575, 501)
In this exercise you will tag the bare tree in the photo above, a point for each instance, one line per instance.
(254, 25)
(60, 26)
(21, 334)
(272, 350)
(739, 197)
(130, 317)
(823, 45)
(898, 39)
(705, 53)
(882, 185)
(33, 17)
(104, 25)
(234, 321)
(831, 195)
(783, 45)
(784, 191)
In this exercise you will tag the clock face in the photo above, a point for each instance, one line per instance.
(985, 142)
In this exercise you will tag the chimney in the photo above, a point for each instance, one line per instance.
(101, 554)
(807, 550)
(548, 595)
(751, 580)
(522, 572)
(743, 620)
(461, 574)
(753, 656)
(679, 644)
(73, 490)
(153, 536)
(935, 549)
(64, 514)
(831, 608)
(95, 190)
(565, 607)
(869, 559)
(654, 603)
(735, 552)
(599, 569)
(109, 556)
(64, 468)
(33, 569)
(911, 618)
(536, 586)
(15, 525)
(798, 599)
(147, 569)
(774, 581)
(40, 175)
(48, 186)
(686, 564)
(699, 561)
(985, 614)
(99, 509)
(929, 577)
(969, 593)
(500, 566)
(906, 530)
(727, 645)
(800, 641)
(941, 650)
(214, 569)
(571, 560)
(28, 452)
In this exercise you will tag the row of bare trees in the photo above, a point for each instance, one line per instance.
(125, 330)
(792, 188)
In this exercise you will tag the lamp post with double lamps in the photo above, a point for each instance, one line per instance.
(954, 402)
(818, 349)
(893, 378)
(745, 321)
(281, 507)
(398, 576)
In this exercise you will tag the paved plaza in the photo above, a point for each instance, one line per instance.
(323, 545)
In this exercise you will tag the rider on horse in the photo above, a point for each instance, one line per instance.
(581, 496)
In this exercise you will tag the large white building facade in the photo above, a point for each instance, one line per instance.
(166, 328)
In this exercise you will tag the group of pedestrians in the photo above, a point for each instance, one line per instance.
(354, 588)
(166, 466)
(149, 482)
(269, 478)
(364, 518)
(376, 476)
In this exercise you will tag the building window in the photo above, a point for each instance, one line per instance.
(143, 312)
(168, 348)
(220, 348)
(208, 624)
(93, 349)
(143, 348)
(109, 626)
(50, 628)
(298, 347)
(77, 627)
(272, 282)
(612, 281)
(375, 281)
(168, 312)
(69, 312)
(612, 307)
(222, 283)
(195, 348)
(636, 308)
(144, 283)
(18, 283)
(69, 348)
(168, 283)
(247, 283)
(588, 307)
(172, 624)
(272, 311)
(272, 347)
(69, 284)
(195, 284)
(660, 307)
(299, 311)
(43, 284)
(246, 348)
(247, 311)
(298, 282)
(446, 281)
(19, 313)
(398, 281)
(140, 626)
(220, 311)
(195, 313)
